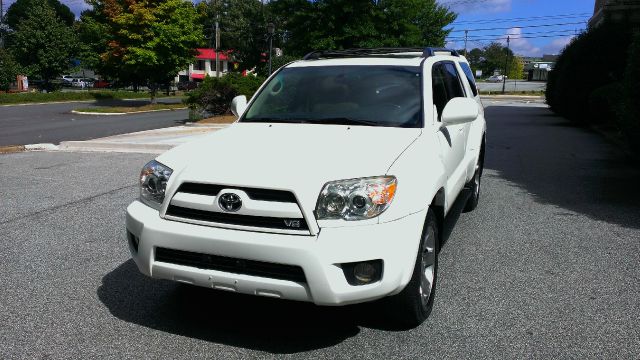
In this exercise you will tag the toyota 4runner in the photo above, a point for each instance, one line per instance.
(332, 186)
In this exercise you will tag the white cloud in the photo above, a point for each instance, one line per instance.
(557, 45)
(520, 46)
(472, 6)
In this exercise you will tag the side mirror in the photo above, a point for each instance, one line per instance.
(239, 105)
(459, 111)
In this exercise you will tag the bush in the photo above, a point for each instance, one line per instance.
(214, 95)
(629, 108)
(595, 59)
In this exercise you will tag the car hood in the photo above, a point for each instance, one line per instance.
(297, 157)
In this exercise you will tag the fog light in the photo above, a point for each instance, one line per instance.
(364, 272)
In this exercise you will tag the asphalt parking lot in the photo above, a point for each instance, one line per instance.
(546, 267)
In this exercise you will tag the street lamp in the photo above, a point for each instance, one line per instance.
(271, 29)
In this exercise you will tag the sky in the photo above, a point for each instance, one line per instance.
(536, 27)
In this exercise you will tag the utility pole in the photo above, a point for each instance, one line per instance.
(217, 48)
(506, 65)
(466, 32)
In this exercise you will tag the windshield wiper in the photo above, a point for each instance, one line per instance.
(278, 120)
(347, 121)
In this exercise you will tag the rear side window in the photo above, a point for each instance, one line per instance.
(446, 85)
(469, 74)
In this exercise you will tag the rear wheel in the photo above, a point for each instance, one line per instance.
(413, 305)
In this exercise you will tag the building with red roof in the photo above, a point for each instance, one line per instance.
(204, 65)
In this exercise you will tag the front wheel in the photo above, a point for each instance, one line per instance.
(413, 305)
(474, 185)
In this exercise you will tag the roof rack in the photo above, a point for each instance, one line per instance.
(377, 52)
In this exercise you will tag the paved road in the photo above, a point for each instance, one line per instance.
(53, 123)
(512, 85)
(546, 267)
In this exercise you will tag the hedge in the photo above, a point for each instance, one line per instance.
(214, 95)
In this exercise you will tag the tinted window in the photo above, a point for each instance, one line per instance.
(354, 95)
(469, 74)
(446, 85)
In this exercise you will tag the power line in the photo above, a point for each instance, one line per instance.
(523, 27)
(559, 32)
(527, 19)
(521, 37)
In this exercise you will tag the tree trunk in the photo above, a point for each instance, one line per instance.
(154, 92)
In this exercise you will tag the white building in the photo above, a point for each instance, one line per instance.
(204, 65)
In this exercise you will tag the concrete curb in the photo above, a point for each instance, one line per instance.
(80, 101)
(30, 147)
(123, 113)
(96, 146)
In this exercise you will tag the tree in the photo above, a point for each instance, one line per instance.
(8, 70)
(19, 11)
(242, 28)
(516, 68)
(141, 41)
(339, 24)
(43, 51)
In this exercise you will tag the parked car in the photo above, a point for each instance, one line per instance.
(332, 187)
(187, 85)
(101, 84)
(82, 82)
(496, 78)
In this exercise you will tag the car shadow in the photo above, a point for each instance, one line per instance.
(258, 323)
(563, 165)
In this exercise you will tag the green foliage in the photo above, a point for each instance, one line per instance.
(8, 70)
(242, 28)
(20, 10)
(339, 24)
(593, 60)
(43, 51)
(34, 97)
(493, 57)
(277, 63)
(516, 68)
(214, 95)
(141, 41)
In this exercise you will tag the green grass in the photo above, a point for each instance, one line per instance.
(35, 97)
(130, 109)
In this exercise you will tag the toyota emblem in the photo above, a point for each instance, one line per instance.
(230, 202)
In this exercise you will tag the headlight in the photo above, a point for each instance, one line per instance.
(153, 183)
(356, 199)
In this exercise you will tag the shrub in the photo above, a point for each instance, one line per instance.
(595, 59)
(629, 109)
(214, 95)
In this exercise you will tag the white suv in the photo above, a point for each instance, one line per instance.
(332, 186)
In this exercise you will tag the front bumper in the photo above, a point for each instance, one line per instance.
(395, 243)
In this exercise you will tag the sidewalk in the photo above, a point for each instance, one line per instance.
(150, 141)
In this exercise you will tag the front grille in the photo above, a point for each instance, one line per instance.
(253, 193)
(236, 219)
(231, 265)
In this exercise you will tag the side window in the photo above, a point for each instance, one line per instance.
(469, 74)
(446, 85)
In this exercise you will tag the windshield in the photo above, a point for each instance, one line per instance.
(348, 95)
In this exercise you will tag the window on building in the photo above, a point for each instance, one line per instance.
(199, 65)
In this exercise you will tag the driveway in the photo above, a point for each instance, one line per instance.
(546, 267)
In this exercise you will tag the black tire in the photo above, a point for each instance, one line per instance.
(474, 184)
(412, 306)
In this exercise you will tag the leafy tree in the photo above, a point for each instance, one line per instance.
(43, 51)
(516, 68)
(339, 24)
(20, 9)
(242, 28)
(142, 41)
(8, 70)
